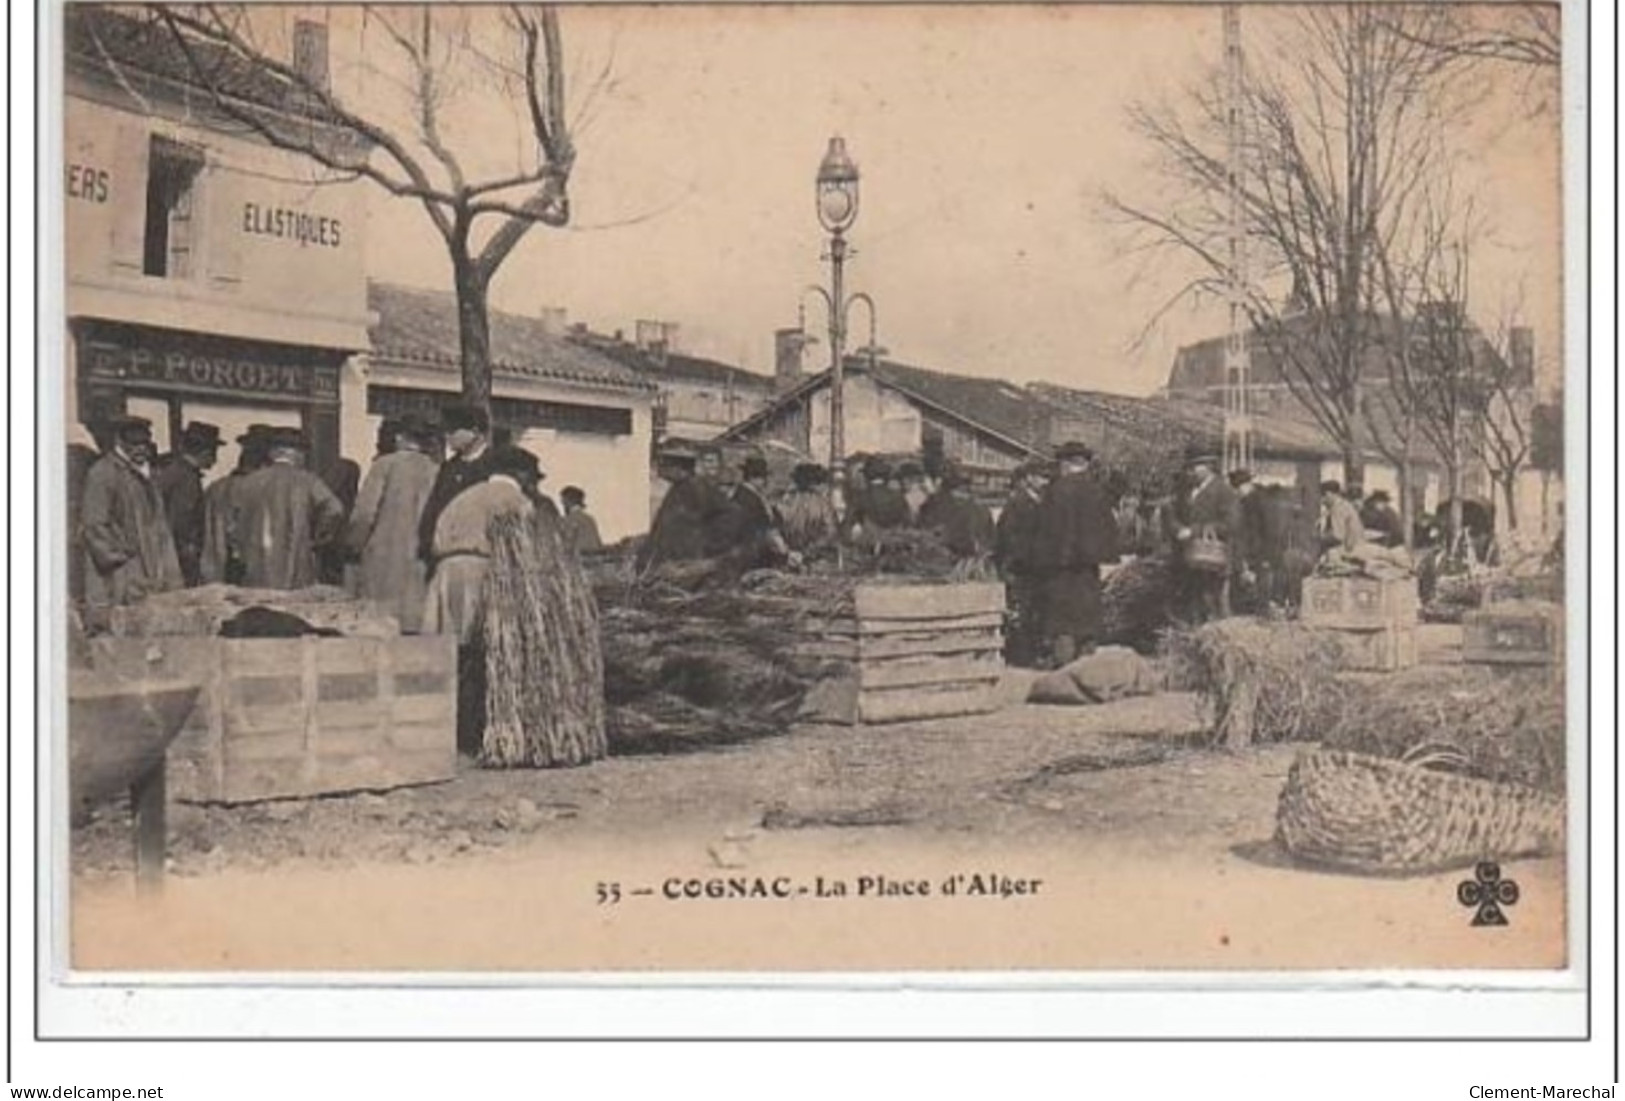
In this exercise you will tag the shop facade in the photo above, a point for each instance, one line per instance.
(209, 275)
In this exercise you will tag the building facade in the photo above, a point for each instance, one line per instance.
(588, 418)
(209, 276)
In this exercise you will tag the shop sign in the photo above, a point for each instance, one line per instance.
(217, 367)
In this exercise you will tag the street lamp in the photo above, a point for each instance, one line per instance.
(837, 210)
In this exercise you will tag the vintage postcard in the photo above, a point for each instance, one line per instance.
(957, 488)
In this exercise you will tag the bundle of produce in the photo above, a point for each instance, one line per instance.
(1259, 681)
(687, 670)
(1377, 814)
(545, 672)
(1500, 724)
(200, 611)
(1454, 595)
(1138, 602)
(1367, 560)
(914, 552)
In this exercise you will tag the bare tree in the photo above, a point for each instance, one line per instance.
(423, 63)
(1507, 442)
(1341, 132)
(1523, 37)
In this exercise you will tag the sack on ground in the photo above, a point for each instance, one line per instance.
(1110, 673)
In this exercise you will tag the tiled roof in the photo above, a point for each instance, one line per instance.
(673, 365)
(1184, 422)
(420, 326)
(133, 39)
(995, 406)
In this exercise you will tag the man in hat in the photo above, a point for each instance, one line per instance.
(758, 540)
(579, 527)
(281, 514)
(467, 430)
(1249, 556)
(222, 559)
(805, 514)
(383, 526)
(963, 522)
(1207, 515)
(877, 506)
(1013, 547)
(1076, 534)
(1381, 520)
(1340, 525)
(179, 478)
(714, 484)
(911, 476)
(129, 547)
(678, 531)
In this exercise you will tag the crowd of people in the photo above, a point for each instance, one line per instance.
(411, 534)
(408, 535)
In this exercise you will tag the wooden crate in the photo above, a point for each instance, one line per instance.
(908, 652)
(1382, 650)
(1360, 602)
(1524, 634)
(307, 716)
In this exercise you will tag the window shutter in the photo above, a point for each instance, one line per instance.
(222, 205)
(130, 198)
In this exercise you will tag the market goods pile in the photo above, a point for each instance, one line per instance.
(1138, 602)
(1260, 681)
(1504, 725)
(544, 690)
(685, 668)
(202, 611)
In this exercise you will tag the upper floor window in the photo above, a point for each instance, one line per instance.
(170, 242)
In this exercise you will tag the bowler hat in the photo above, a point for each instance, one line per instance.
(875, 468)
(255, 433)
(1331, 486)
(126, 424)
(291, 438)
(1072, 449)
(1239, 478)
(754, 466)
(807, 475)
(200, 436)
(574, 493)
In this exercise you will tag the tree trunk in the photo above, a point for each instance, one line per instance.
(1453, 518)
(473, 332)
(1407, 503)
(1509, 490)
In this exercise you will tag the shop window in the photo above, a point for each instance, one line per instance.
(170, 240)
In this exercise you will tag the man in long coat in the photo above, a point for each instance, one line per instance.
(1077, 534)
(384, 523)
(678, 531)
(129, 548)
(963, 522)
(1013, 545)
(1209, 512)
(179, 478)
(758, 530)
(282, 514)
(222, 559)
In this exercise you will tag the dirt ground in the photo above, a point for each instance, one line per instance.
(1113, 801)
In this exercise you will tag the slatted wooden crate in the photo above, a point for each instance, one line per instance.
(1360, 602)
(908, 652)
(1383, 650)
(1527, 633)
(305, 716)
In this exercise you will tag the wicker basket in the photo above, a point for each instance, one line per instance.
(1374, 814)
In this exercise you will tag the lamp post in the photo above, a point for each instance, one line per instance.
(837, 210)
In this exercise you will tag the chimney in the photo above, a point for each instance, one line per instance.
(788, 345)
(554, 320)
(1521, 351)
(310, 53)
